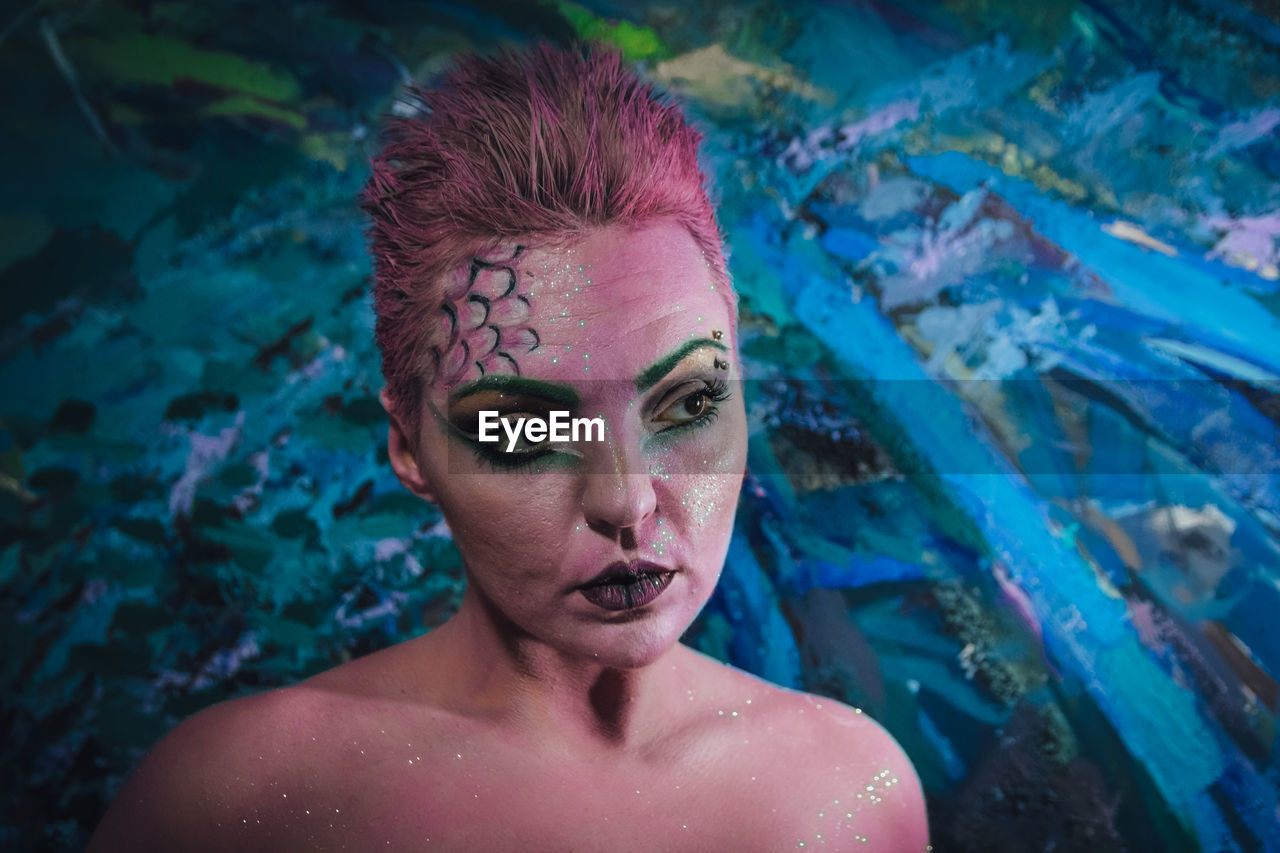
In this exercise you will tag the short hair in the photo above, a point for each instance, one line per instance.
(541, 143)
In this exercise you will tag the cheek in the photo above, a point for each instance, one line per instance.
(704, 477)
(707, 502)
(490, 519)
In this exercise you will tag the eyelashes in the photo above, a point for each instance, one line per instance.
(514, 461)
(707, 399)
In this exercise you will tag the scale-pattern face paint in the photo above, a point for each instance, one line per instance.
(485, 311)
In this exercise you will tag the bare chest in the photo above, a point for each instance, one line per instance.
(479, 799)
(544, 803)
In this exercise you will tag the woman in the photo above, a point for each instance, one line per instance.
(545, 252)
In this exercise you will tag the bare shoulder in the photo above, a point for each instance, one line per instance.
(837, 777)
(209, 783)
(872, 795)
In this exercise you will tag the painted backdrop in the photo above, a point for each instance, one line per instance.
(1009, 298)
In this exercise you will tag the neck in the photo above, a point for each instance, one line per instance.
(503, 672)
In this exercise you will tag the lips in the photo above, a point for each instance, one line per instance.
(626, 586)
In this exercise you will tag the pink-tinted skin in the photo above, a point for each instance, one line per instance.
(537, 142)
(532, 719)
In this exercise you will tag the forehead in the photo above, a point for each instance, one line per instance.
(603, 307)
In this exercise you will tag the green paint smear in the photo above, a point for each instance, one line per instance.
(635, 42)
(163, 61)
(244, 105)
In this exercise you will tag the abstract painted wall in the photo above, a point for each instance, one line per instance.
(1010, 304)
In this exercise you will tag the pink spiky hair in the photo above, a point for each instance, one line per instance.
(537, 145)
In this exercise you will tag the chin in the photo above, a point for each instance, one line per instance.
(625, 650)
(634, 640)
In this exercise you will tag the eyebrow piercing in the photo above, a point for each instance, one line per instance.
(716, 334)
(721, 365)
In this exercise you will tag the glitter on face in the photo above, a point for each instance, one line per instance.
(665, 537)
(702, 503)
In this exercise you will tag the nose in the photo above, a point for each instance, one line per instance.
(618, 494)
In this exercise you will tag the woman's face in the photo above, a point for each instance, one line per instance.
(599, 548)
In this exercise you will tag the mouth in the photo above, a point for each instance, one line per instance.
(626, 586)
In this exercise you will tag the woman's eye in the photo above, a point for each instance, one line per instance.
(513, 454)
(695, 407)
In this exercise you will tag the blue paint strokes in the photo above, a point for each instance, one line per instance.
(770, 649)
(1243, 784)
(1101, 111)
(1220, 362)
(982, 73)
(1086, 630)
(1245, 131)
(1254, 23)
(1148, 282)
(962, 695)
(856, 572)
(955, 768)
(848, 243)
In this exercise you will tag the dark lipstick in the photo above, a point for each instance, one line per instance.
(626, 586)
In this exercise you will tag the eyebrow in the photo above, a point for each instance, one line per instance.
(505, 383)
(650, 376)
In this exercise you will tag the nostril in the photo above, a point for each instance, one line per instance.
(618, 502)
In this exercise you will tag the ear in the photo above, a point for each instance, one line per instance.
(403, 451)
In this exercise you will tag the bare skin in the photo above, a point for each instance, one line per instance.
(358, 758)
(536, 719)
